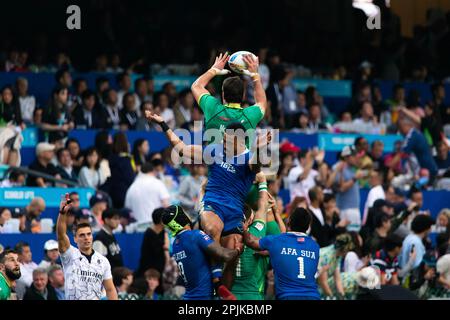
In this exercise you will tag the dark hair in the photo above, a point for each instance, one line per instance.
(100, 80)
(78, 81)
(139, 287)
(414, 190)
(60, 73)
(147, 167)
(381, 218)
(14, 175)
(136, 82)
(120, 143)
(110, 213)
(101, 143)
(392, 241)
(157, 215)
(87, 94)
(121, 76)
(358, 248)
(120, 273)
(233, 90)
(397, 87)
(300, 220)
(20, 245)
(327, 197)
(71, 140)
(81, 226)
(152, 273)
(137, 144)
(358, 140)
(89, 152)
(60, 151)
(125, 97)
(157, 162)
(183, 93)
(421, 223)
(313, 192)
(57, 89)
(5, 253)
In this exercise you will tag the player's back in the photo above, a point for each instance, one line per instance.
(294, 258)
(189, 252)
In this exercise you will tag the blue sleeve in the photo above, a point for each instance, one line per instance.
(202, 239)
(266, 242)
(407, 146)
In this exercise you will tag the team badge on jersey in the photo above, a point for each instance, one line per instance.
(259, 226)
(301, 239)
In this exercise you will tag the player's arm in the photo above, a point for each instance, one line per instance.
(260, 93)
(110, 289)
(263, 200)
(323, 281)
(191, 151)
(261, 144)
(61, 225)
(198, 88)
(216, 251)
(274, 215)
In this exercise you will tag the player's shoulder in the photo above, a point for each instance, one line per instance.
(99, 258)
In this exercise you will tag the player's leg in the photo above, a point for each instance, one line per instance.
(211, 224)
(230, 241)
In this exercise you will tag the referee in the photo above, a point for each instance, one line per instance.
(86, 272)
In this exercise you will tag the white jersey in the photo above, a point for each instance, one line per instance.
(84, 279)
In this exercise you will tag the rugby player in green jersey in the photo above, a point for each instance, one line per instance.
(250, 275)
(9, 272)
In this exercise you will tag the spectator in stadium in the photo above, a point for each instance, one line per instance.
(141, 89)
(416, 144)
(333, 224)
(162, 102)
(279, 80)
(85, 115)
(65, 166)
(122, 278)
(386, 260)
(154, 247)
(105, 242)
(442, 222)
(73, 146)
(141, 148)
(99, 203)
(376, 155)
(27, 102)
(32, 213)
(51, 255)
(345, 182)
(63, 78)
(152, 277)
(142, 123)
(189, 189)
(15, 179)
(442, 158)
(103, 144)
(5, 216)
(146, 194)
(90, 174)
(124, 81)
(315, 122)
(9, 108)
(40, 289)
(315, 195)
(56, 280)
(383, 225)
(27, 266)
(183, 110)
(111, 109)
(56, 120)
(122, 171)
(393, 161)
(101, 86)
(114, 66)
(129, 114)
(368, 122)
(301, 102)
(363, 94)
(302, 177)
(443, 270)
(376, 192)
(420, 227)
(357, 258)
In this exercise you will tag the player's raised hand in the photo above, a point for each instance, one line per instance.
(260, 177)
(65, 204)
(220, 62)
(251, 62)
(150, 116)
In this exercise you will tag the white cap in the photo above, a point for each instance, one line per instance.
(348, 151)
(44, 146)
(368, 278)
(50, 245)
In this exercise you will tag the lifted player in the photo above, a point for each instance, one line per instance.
(294, 257)
(250, 277)
(192, 250)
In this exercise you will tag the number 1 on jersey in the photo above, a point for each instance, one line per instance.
(301, 267)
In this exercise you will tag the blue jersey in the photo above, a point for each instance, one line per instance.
(294, 258)
(229, 180)
(188, 250)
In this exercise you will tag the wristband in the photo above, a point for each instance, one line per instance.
(164, 126)
(214, 71)
(255, 77)
(262, 186)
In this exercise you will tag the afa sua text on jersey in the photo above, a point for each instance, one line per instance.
(303, 253)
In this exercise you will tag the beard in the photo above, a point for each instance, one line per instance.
(13, 275)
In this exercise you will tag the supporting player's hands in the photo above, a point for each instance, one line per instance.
(150, 116)
(260, 177)
(252, 64)
(219, 64)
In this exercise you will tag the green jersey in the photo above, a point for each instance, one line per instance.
(251, 270)
(218, 116)
(5, 290)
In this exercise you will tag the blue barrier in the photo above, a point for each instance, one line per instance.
(20, 197)
(335, 142)
(327, 88)
(129, 243)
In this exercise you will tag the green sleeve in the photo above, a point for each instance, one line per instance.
(258, 228)
(209, 105)
(254, 115)
(272, 228)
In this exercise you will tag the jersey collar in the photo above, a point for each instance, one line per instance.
(233, 105)
(300, 234)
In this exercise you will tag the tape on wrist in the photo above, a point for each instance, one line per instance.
(255, 76)
(215, 71)
(164, 126)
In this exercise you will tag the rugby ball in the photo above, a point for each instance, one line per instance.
(236, 61)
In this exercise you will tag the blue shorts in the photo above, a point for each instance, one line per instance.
(232, 218)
